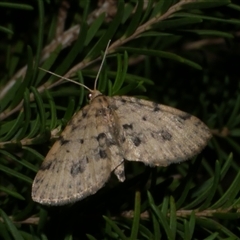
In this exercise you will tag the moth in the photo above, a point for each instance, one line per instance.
(105, 133)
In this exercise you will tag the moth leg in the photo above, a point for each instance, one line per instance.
(119, 172)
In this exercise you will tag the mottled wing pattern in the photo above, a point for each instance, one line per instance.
(158, 135)
(80, 162)
(103, 134)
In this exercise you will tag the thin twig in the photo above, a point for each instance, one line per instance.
(146, 215)
(112, 48)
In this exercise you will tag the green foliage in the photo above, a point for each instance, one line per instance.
(179, 53)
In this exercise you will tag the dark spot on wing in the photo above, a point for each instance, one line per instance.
(111, 142)
(100, 100)
(156, 107)
(161, 135)
(37, 180)
(144, 118)
(127, 126)
(114, 130)
(67, 151)
(166, 135)
(78, 167)
(200, 145)
(173, 151)
(153, 135)
(84, 113)
(73, 127)
(123, 100)
(81, 141)
(102, 153)
(195, 131)
(123, 139)
(177, 119)
(136, 141)
(63, 141)
(179, 146)
(46, 165)
(185, 116)
(42, 195)
(101, 136)
(197, 123)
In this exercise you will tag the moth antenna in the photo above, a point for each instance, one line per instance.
(70, 80)
(104, 56)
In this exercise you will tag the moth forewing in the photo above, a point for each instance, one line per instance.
(156, 134)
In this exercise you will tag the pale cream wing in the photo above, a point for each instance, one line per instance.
(79, 163)
(158, 135)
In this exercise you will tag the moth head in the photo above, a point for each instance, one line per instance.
(93, 94)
